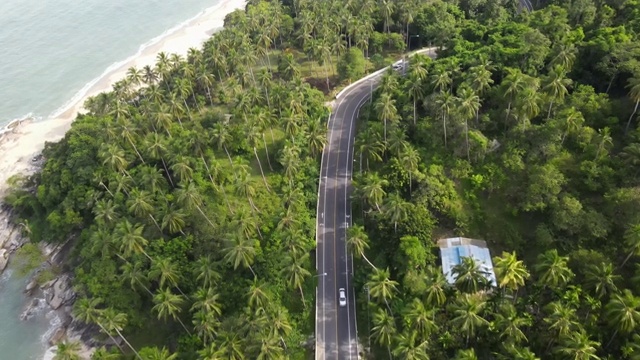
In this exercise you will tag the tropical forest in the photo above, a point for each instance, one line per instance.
(187, 194)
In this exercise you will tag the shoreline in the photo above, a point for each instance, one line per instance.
(23, 139)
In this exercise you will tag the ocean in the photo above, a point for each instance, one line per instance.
(52, 52)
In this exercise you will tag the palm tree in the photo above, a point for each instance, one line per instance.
(295, 272)
(358, 242)
(562, 319)
(407, 349)
(623, 313)
(180, 166)
(552, 269)
(632, 242)
(469, 106)
(396, 209)
(258, 296)
(466, 312)
(509, 323)
(381, 287)
(384, 328)
(141, 204)
(113, 322)
(633, 84)
(106, 212)
(420, 319)
(253, 137)
(167, 305)
(416, 92)
(67, 350)
(578, 346)
(131, 239)
(207, 301)
(86, 310)
(510, 271)
(127, 131)
(512, 85)
(157, 354)
(444, 101)
(189, 196)
(467, 354)
(173, 219)
(204, 267)
(240, 251)
(468, 275)
(556, 84)
(114, 157)
(372, 189)
(133, 273)
(436, 286)
(386, 108)
(564, 55)
(410, 160)
(165, 272)
(601, 279)
(205, 325)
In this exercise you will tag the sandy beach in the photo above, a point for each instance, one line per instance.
(27, 139)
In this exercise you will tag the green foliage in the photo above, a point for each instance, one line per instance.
(28, 258)
(351, 65)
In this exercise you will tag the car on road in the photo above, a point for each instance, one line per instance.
(342, 298)
(397, 66)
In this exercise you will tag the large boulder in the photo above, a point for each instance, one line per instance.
(60, 293)
(58, 335)
(4, 259)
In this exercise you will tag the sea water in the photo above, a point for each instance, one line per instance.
(49, 51)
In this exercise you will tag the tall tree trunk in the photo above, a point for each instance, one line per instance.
(128, 344)
(183, 326)
(635, 110)
(466, 135)
(205, 216)
(264, 179)
(266, 150)
(549, 112)
(136, 150)
(164, 165)
(213, 183)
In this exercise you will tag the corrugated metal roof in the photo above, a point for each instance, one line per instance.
(453, 249)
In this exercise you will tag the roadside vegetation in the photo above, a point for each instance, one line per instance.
(189, 191)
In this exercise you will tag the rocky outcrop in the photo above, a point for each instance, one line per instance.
(60, 293)
(4, 259)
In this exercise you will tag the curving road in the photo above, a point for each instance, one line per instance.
(336, 331)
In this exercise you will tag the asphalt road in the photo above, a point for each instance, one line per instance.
(336, 332)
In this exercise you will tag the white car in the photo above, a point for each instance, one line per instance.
(342, 299)
(397, 66)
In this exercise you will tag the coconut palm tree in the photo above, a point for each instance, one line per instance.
(436, 286)
(140, 203)
(552, 269)
(556, 85)
(633, 84)
(205, 268)
(173, 219)
(372, 189)
(207, 301)
(240, 251)
(511, 272)
(396, 209)
(295, 272)
(381, 287)
(466, 354)
(578, 346)
(384, 328)
(420, 319)
(512, 85)
(409, 346)
(468, 275)
(469, 105)
(106, 212)
(67, 350)
(189, 196)
(467, 314)
(410, 160)
(133, 273)
(165, 272)
(601, 279)
(131, 240)
(358, 242)
(168, 305)
(259, 296)
(623, 313)
(113, 322)
(509, 324)
(632, 242)
(86, 310)
(562, 319)
(206, 326)
(385, 106)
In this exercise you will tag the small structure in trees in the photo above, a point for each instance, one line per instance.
(452, 250)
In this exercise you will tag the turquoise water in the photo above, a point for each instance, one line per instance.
(51, 49)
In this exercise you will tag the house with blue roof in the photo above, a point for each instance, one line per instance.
(452, 250)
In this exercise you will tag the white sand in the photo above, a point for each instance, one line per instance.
(27, 140)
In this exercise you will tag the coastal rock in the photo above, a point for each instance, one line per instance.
(60, 293)
(58, 335)
(4, 259)
(30, 286)
(30, 310)
(48, 284)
